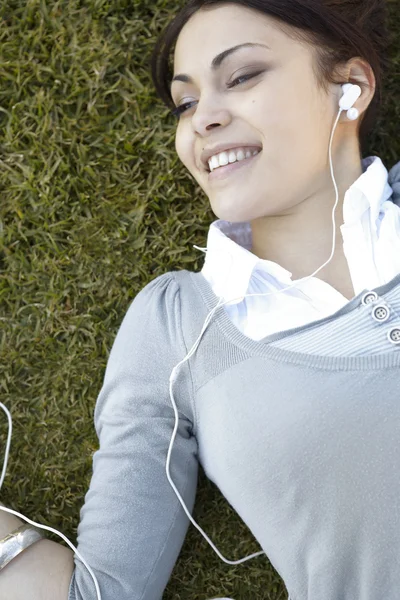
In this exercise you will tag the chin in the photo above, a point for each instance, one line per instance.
(233, 210)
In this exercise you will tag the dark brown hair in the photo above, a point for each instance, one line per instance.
(338, 29)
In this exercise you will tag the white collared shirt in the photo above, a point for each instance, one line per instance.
(371, 245)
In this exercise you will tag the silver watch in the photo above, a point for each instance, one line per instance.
(17, 541)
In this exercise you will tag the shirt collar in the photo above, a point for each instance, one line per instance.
(228, 244)
(368, 192)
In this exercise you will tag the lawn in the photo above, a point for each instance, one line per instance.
(95, 204)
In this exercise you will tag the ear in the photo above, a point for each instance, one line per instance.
(359, 72)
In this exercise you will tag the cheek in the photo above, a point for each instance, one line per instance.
(293, 145)
(293, 129)
(184, 150)
(178, 145)
(276, 117)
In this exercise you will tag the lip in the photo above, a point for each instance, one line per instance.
(224, 172)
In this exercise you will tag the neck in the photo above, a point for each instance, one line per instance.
(300, 238)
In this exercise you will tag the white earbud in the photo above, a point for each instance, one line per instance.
(351, 94)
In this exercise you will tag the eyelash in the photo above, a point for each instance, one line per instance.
(180, 109)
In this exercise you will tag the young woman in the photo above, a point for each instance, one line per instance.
(290, 400)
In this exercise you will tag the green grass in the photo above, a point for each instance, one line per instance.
(95, 204)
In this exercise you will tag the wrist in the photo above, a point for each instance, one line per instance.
(8, 522)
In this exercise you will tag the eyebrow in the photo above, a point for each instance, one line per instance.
(217, 61)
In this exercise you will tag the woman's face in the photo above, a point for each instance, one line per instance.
(280, 109)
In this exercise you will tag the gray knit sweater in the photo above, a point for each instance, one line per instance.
(300, 431)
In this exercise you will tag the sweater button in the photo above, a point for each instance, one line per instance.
(394, 335)
(380, 313)
(369, 297)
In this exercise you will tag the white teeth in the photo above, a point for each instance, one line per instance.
(230, 156)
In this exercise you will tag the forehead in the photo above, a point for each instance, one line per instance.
(213, 29)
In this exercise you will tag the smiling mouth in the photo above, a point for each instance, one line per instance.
(223, 170)
(232, 163)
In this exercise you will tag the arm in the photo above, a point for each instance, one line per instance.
(132, 524)
(41, 572)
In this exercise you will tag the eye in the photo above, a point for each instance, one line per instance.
(180, 109)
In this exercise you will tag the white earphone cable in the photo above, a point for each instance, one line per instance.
(350, 97)
(174, 375)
